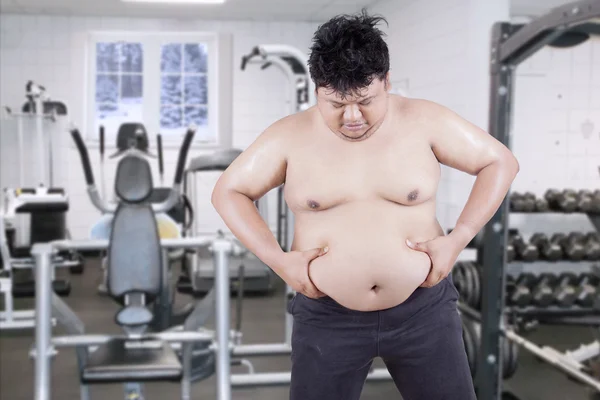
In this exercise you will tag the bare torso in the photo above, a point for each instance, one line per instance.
(363, 200)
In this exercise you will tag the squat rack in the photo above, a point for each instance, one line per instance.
(511, 44)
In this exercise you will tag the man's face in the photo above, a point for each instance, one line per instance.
(355, 117)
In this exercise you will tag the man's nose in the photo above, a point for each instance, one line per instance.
(352, 113)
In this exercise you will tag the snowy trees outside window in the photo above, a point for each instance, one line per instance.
(165, 80)
(119, 83)
(184, 87)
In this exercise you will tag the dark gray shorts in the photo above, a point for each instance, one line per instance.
(420, 342)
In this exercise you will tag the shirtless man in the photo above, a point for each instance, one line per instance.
(369, 260)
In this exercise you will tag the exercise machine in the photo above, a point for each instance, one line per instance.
(132, 137)
(12, 284)
(136, 273)
(564, 26)
(257, 277)
(35, 213)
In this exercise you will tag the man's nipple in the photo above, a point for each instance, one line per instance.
(313, 205)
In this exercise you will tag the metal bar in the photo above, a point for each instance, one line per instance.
(43, 320)
(186, 380)
(50, 151)
(220, 249)
(527, 40)
(488, 377)
(284, 378)
(84, 392)
(95, 340)
(28, 314)
(287, 51)
(40, 137)
(554, 361)
(101, 244)
(21, 153)
(563, 361)
(267, 349)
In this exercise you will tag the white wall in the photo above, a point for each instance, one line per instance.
(439, 51)
(50, 50)
(557, 93)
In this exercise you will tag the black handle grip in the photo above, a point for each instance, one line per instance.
(102, 141)
(183, 152)
(161, 165)
(85, 159)
(255, 52)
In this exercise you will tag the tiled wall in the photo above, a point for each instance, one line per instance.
(556, 127)
(51, 50)
(439, 51)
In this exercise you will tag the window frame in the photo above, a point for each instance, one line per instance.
(152, 43)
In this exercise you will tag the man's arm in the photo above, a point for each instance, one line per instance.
(460, 144)
(260, 168)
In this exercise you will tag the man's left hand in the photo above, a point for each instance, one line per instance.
(443, 252)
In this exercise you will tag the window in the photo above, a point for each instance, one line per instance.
(119, 84)
(183, 97)
(166, 81)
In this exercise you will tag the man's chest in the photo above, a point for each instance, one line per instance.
(402, 171)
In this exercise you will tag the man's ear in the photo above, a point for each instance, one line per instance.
(388, 82)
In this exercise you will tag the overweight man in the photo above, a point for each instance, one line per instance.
(369, 261)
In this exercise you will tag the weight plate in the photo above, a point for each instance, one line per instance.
(514, 360)
(471, 346)
(476, 286)
(458, 275)
(468, 284)
(506, 355)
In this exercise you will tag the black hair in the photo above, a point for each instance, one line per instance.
(348, 52)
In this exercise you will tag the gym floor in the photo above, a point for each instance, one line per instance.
(262, 323)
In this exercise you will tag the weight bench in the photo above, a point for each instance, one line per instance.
(135, 271)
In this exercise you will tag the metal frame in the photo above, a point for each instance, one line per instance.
(46, 303)
(511, 44)
(9, 317)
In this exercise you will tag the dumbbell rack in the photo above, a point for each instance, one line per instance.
(511, 44)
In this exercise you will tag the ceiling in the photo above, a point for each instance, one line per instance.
(264, 10)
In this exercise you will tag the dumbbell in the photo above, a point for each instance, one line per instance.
(588, 201)
(548, 251)
(524, 251)
(518, 292)
(586, 290)
(589, 242)
(522, 202)
(543, 293)
(592, 246)
(541, 205)
(572, 250)
(510, 252)
(565, 293)
(563, 201)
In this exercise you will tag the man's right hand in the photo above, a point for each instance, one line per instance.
(293, 269)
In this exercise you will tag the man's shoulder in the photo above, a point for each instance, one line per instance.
(420, 108)
(428, 113)
(290, 126)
